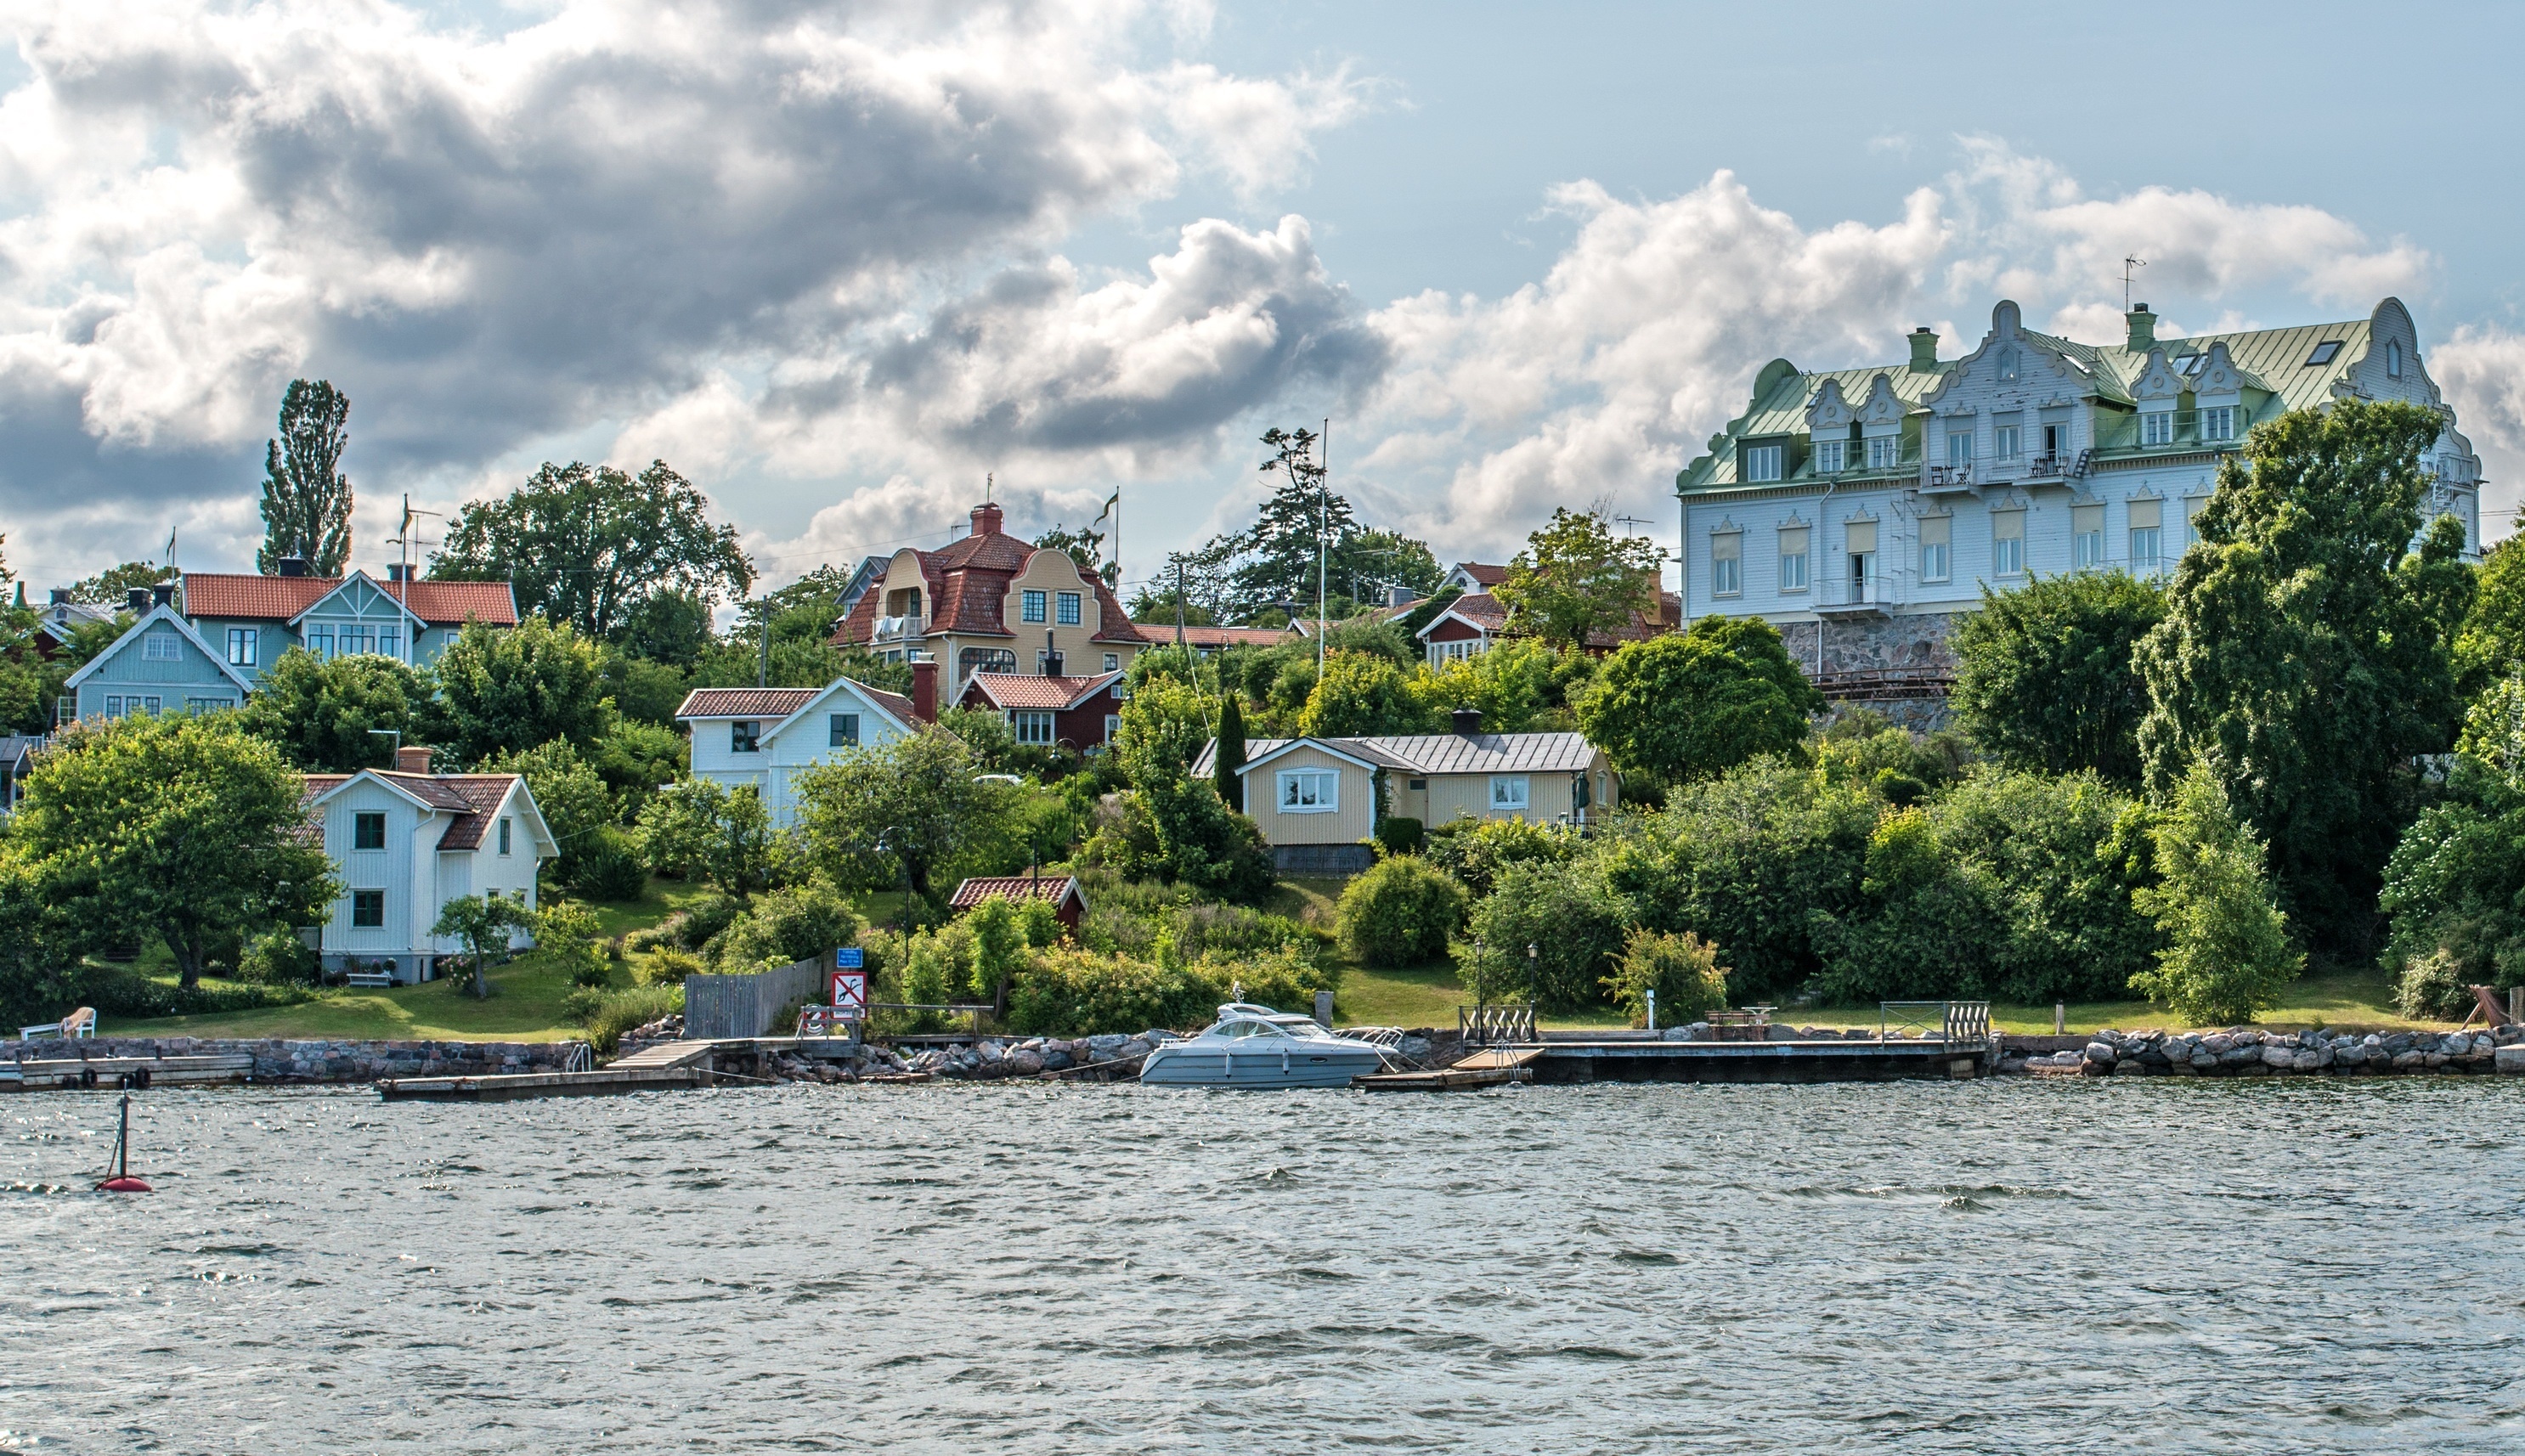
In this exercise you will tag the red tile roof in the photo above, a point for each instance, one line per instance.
(1013, 690)
(965, 588)
(441, 604)
(475, 796)
(772, 704)
(1483, 574)
(1054, 887)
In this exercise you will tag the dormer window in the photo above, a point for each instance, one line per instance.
(2157, 428)
(1762, 461)
(1829, 456)
(1884, 451)
(2324, 353)
(2392, 361)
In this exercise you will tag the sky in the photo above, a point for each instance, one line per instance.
(837, 263)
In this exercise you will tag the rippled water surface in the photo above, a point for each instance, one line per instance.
(1980, 1267)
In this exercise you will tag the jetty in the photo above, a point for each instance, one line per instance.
(125, 1071)
(663, 1066)
(1940, 1041)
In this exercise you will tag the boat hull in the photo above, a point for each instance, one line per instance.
(1305, 1064)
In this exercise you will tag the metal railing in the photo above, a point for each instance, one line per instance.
(1486, 1026)
(1886, 684)
(582, 1058)
(1956, 1023)
(1841, 591)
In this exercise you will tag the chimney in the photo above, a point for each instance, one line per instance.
(412, 757)
(1469, 723)
(2143, 330)
(1403, 596)
(162, 594)
(924, 691)
(1924, 350)
(1051, 655)
(137, 599)
(61, 596)
(292, 565)
(986, 520)
(395, 570)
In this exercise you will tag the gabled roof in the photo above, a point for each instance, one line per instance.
(1479, 611)
(1053, 887)
(1481, 574)
(285, 599)
(1011, 690)
(1163, 634)
(966, 584)
(779, 706)
(474, 799)
(172, 618)
(1434, 752)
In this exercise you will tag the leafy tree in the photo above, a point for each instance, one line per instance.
(904, 812)
(484, 923)
(1552, 931)
(189, 828)
(572, 799)
(1682, 969)
(2455, 887)
(113, 586)
(2306, 654)
(643, 690)
(568, 934)
(2229, 955)
(40, 943)
(1518, 684)
(306, 497)
(1084, 546)
(2493, 640)
(1575, 579)
(334, 714)
(1426, 611)
(1693, 704)
(507, 688)
(1230, 756)
(1173, 826)
(1361, 695)
(702, 829)
(1403, 911)
(1209, 591)
(805, 921)
(591, 546)
(803, 615)
(635, 761)
(670, 629)
(2045, 678)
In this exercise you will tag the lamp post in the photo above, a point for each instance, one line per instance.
(1533, 974)
(394, 756)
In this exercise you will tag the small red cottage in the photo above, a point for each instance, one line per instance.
(1069, 904)
(1071, 712)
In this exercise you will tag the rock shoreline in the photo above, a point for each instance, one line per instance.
(2243, 1052)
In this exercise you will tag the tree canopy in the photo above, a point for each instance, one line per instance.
(1575, 578)
(590, 545)
(2305, 652)
(186, 827)
(510, 689)
(2045, 677)
(340, 714)
(1692, 705)
(306, 497)
(909, 808)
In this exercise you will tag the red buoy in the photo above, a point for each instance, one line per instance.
(123, 1184)
(121, 1180)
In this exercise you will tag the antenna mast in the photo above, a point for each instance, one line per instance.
(2128, 263)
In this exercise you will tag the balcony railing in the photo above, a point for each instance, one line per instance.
(889, 628)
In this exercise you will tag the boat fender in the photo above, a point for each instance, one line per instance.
(87, 1076)
(140, 1079)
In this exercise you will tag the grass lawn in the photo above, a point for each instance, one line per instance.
(524, 1006)
(2362, 1001)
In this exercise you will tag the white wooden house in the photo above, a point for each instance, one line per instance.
(767, 736)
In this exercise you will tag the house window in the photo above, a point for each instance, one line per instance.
(368, 909)
(504, 836)
(1113, 725)
(160, 647)
(1310, 791)
(1727, 565)
(320, 641)
(1031, 727)
(1067, 604)
(2007, 543)
(1937, 547)
(2392, 361)
(2192, 519)
(208, 704)
(2157, 428)
(842, 731)
(1793, 558)
(1510, 792)
(1960, 446)
(241, 647)
(148, 704)
(745, 738)
(1829, 455)
(2324, 353)
(2145, 516)
(1884, 451)
(355, 640)
(1113, 661)
(2218, 422)
(2003, 441)
(391, 641)
(367, 831)
(1030, 605)
(2085, 537)
(1416, 786)
(114, 704)
(1762, 462)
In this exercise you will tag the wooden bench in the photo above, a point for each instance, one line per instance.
(369, 977)
(1753, 1025)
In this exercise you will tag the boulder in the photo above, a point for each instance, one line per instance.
(1057, 1060)
(1025, 1061)
(2219, 1042)
(2101, 1051)
(2277, 1055)
(1776, 1032)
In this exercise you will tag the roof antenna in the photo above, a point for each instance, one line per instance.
(2129, 263)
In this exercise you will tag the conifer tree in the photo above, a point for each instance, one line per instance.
(306, 497)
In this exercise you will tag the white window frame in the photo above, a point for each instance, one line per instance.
(1512, 792)
(1831, 457)
(1793, 563)
(1884, 451)
(1960, 446)
(361, 819)
(508, 827)
(2006, 440)
(1727, 563)
(242, 642)
(1307, 791)
(2007, 552)
(1112, 726)
(2086, 547)
(2156, 427)
(2148, 543)
(1066, 608)
(745, 736)
(1032, 726)
(1763, 461)
(1033, 605)
(1937, 558)
(161, 646)
(2218, 422)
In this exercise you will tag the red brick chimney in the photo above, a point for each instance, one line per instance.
(924, 682)
(412, 758)
(986, 520)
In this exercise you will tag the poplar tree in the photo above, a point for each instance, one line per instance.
(306, 497)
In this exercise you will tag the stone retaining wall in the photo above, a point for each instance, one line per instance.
(2246, 1052)
(277, 1060)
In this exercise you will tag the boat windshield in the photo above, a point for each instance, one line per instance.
(1249, 1029)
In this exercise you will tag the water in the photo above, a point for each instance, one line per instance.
(2302, 1266)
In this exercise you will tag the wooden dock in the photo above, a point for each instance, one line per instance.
(123, 1071)
(1566, 1058)
(666, 1066)
(1492, 1066)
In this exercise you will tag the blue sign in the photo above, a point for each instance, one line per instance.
(848, 959)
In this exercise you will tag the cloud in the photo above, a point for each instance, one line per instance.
(2481, 370)
(488, 239)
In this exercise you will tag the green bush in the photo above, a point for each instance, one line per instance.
(279, 958)
(700, 922)
(1282, 980)
(668, 966)
(2229, 954)
(797, 922)
(122, 994)
(1572, 919)
(1080, 993)
(2433, 987)
(608, 866)
(1194, 931)
(1403, 911)
(1682, 969)
(1400, 833)
(1476, 850)
(608, 1014)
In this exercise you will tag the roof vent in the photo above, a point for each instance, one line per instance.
(2143, 330)
(1924, 350)
(137, 599)
(1469, 723)
(162, 594)
(292, 565)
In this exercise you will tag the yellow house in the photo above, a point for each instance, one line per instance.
(1315, 799)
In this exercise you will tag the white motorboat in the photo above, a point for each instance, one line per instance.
(1256, 1046)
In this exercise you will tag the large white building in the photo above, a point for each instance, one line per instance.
(1860, 509)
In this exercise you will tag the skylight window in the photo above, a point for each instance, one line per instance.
(2324, 353)
(2190, 365)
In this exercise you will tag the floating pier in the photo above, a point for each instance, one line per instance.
(125, 1071)
(663, 1067)
(1936, 1041)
